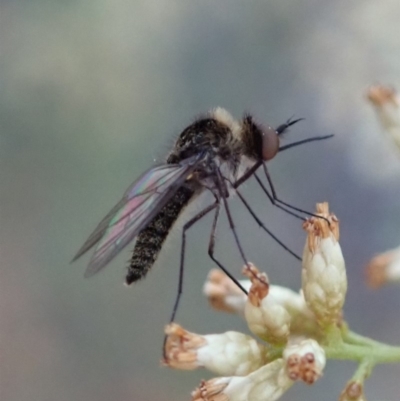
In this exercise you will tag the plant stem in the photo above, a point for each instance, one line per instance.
(375, 353)
(354, 338)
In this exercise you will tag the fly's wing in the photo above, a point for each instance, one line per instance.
(139, 205)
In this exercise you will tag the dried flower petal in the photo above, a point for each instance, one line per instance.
(305, 360)
(324, 280)
(223, 294)
(353, 392)
(384, 268)
(230, 354)
(387, 106)
(267, 383)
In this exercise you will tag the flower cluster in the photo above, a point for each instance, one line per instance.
(292, 327)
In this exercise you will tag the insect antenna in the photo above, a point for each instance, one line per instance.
(293, 144)
(283, 127)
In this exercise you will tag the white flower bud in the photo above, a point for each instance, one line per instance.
(384, 268)
(387, 106)
(228, 354)
(305, 360)
(302, 320)
(266, 317)
(353, 392)
(324, 280)
(223, 294)
(267, 383)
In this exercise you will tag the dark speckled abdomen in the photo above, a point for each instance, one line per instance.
(150, 240)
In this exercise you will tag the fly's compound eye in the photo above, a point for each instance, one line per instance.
(270, 143)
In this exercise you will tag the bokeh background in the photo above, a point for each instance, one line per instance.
(92, 92)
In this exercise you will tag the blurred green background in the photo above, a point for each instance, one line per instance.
(92, 92)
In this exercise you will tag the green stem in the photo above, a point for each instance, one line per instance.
(346, 345)
(354, 338)
(375, 354)
(363, 371)
(333, 336)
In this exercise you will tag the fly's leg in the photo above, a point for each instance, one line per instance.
(262, 225)
(186, 227)
(259, 222)
(250, 173)
(211, 245)
(223, 190)
(274, 198)
(275, 201)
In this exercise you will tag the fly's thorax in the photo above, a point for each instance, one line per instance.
(215, 134)
(231, 170)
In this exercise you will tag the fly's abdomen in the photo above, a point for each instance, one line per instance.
(150, 240)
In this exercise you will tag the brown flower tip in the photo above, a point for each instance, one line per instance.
(259, 284)
(377, 270)
(218, 288)
(211, 390)
(180, 347)
(318, 227)
(380, 95)
(352, 392)
(303, 368)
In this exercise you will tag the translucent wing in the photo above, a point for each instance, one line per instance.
(139, 205)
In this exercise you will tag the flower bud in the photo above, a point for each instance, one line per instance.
(353, 392)
(305, 360)
(267, 383)
(384, 268)
(223, 294)
(302, 320)
(266, 318)
(324, 280)
(228, 354)
(387, 106)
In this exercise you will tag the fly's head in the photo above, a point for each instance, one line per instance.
(261, 142)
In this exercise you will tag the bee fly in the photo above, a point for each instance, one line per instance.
(215, 153)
